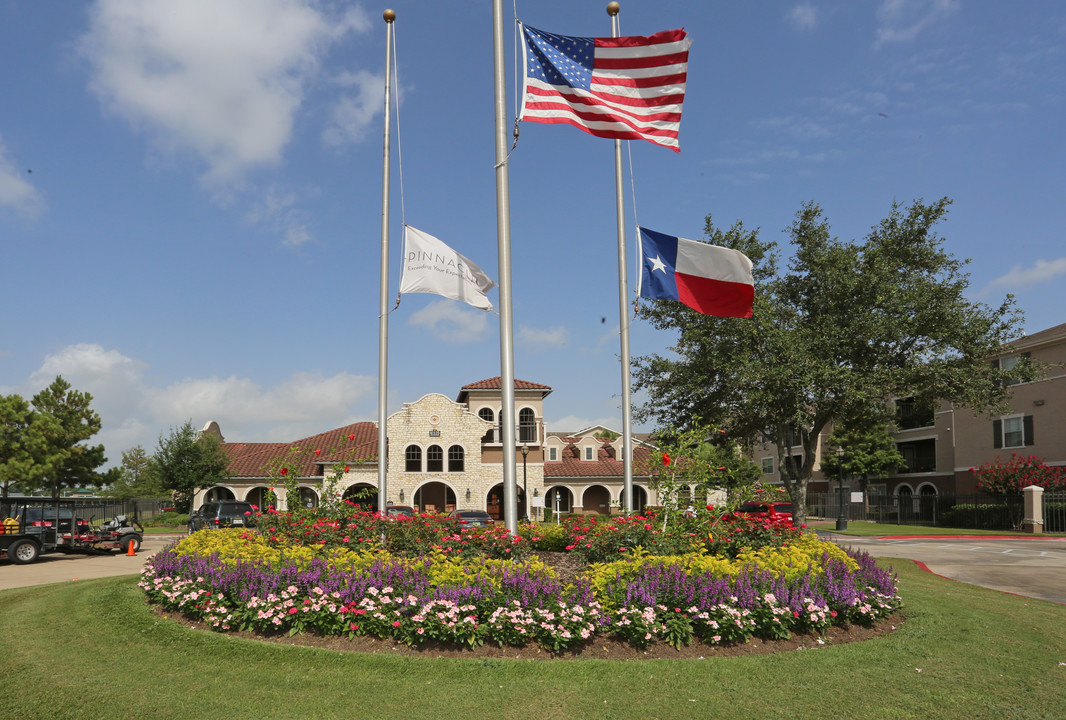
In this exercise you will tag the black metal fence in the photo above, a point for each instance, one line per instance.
(99, 509)
(972, 512)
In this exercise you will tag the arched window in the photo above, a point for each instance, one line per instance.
(455, 458)
(413, 456)
(487, 414)
(434, 459)
(527, 426)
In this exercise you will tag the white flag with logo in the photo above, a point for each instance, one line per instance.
(430, 266)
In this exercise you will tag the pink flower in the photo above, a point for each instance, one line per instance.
(396, 623)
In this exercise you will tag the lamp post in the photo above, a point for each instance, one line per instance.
(525, 487)
(842, 518)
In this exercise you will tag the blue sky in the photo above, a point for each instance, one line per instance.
(190, 193)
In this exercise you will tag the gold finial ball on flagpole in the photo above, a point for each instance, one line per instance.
(613, 8)
(389, 15)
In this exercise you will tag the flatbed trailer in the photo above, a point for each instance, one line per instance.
(31, 527)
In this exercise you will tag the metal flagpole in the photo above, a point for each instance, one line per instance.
(503, 242)
(623, 307)
(383, 318)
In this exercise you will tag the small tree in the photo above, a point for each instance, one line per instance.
(186, 461)
(698, 459)
(136, 478)
(869, 451)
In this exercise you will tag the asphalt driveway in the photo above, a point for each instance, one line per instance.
(57, 567)
(1033, 568)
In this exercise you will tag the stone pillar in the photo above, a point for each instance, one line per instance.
(1033, 516)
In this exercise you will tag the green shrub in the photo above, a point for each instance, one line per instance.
(168, 519)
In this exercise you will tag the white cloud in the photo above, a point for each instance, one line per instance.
(354, 112)
(133, 412)
(222, 78)
(903, 20)
(1041, 271)
(452, 321)
(538, 340)
(280, 213)
(803, 16)
(16, 191)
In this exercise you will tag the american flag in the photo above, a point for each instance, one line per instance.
(626, 87)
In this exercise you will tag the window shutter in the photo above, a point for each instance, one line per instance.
(997, 433)
(1027, 429)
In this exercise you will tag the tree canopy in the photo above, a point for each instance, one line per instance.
(846, 326)
(185, 461)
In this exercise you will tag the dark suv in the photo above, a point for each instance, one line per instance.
(222, 514)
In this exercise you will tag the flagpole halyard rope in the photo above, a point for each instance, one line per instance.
(399, 153)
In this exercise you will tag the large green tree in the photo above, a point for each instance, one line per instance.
(845, 326)
(20, 443)
(62, 424)
(186, 460)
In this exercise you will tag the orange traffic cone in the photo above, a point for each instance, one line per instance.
(129, 548)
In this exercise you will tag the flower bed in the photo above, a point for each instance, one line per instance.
(445, 592)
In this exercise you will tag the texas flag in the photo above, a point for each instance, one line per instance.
(710, 279)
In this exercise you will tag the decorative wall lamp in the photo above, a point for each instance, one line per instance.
(468, 493)
(401, 494)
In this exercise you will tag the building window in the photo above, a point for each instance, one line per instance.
(767, 466)
(1013, 362)
(487, 414)
(918, 455)
(1012, 432)
(910, 415)
(553, 454)
(455, 458)
(413, 458)
(588, 453)
(434, 459)
(527, 426)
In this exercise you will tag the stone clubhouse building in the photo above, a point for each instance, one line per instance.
(446, 454)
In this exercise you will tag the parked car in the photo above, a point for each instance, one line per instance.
(470, 518)
(395, 511)
(222, 514)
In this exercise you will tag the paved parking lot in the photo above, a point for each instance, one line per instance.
(1033, 568)
(56, 567)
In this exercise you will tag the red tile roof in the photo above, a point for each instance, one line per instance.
(351, 443)
(496, 383)
(570, 464)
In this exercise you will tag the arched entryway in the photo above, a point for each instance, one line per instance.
(434, 497)
(494, 504)
(364, 495)
(640, 498)
(596, 500)
(559, 500)
(219, 493)
(308, 498)
(258, 496)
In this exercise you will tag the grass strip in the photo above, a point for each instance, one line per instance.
(864, 528)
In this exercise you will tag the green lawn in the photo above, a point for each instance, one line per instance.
(862, 528)
(94, 650)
